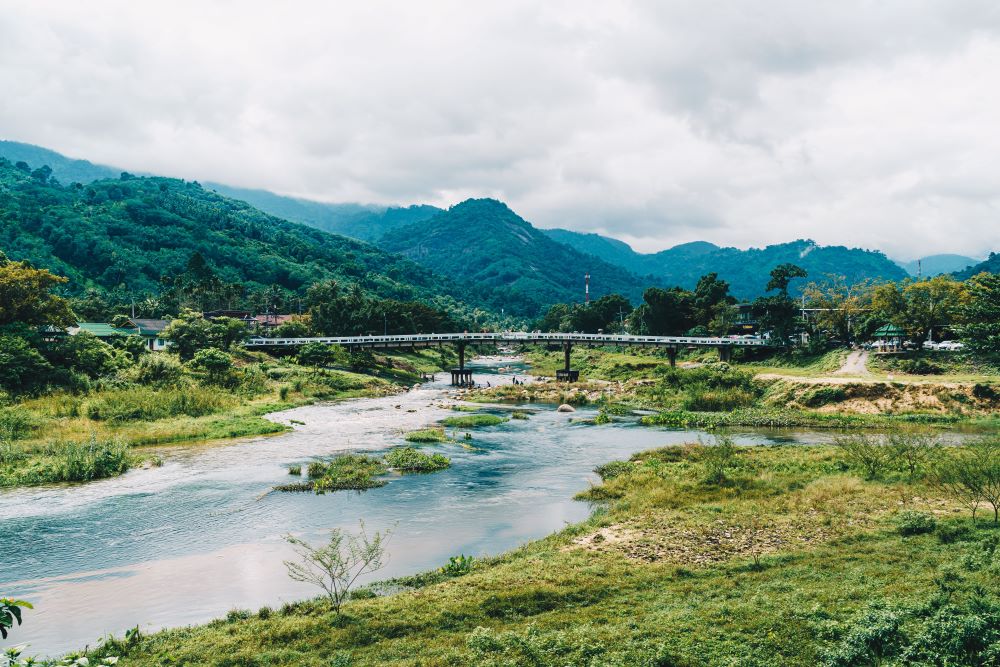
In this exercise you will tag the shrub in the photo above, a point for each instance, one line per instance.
(16, 423)
(971, 474)
(915, 523)
(519, 414)
(458, 565)
(409, 459)
(214, 362)
(704, 399)
(316, 469)
(82, 462)
(294, 470)
(820, 396)
(718, 458)
(156, 369)
(948, 533)
(144, 404)
(867, 452)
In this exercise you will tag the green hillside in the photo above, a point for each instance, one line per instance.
(745, 270)
(360, 221)
(990, 265)
(131, 234)
(505, 260)
(609, 249)
(64, 169)
(934, 265)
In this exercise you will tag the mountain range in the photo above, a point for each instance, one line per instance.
(497, 258)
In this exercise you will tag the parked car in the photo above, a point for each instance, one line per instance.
(950, 345)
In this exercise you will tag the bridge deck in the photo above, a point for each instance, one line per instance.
(422, 340)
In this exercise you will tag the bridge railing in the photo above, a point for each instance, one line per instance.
(512, 337)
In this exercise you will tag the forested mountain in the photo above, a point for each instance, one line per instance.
(505, 260)
(990, 265)
(67, 170)
(360, 221)
(935, 265)
(134, 235)
(610, 250)
(745, 270)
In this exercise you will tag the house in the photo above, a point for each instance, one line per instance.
(265, 323)
(101, 330)
(150, 331)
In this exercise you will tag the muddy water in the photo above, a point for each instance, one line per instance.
(187, 542)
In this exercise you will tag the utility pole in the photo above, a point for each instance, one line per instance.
(586, 288)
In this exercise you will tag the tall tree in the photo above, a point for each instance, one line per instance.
(980, 315)
(26, 296)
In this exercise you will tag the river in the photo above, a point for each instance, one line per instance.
(188, 541)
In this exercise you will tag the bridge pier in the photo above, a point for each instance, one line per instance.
(460, 377)
(725, 353)
(567, 374)
(672, 356)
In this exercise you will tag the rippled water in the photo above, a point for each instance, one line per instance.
(190, 540)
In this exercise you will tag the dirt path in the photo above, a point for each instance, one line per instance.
(855, 364)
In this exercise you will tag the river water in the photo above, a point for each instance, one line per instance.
(187, 542)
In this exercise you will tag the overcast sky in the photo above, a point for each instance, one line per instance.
(861, 123)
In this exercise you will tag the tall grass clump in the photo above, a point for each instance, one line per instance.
(408, 459)
(427, 435)
(82, 462)
(144, 404)
(16, 423)
(156, 370)
(471, 421)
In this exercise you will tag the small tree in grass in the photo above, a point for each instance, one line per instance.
(335, 566)
(971, 474)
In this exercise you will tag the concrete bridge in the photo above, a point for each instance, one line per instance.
(461, 375)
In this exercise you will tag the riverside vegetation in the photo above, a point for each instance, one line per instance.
(702, 554)
(156, 399)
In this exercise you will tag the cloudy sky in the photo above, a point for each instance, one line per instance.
(868, 123)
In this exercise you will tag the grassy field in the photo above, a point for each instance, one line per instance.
(695, 555)
(77, 437)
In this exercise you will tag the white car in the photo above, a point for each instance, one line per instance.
(950, 346)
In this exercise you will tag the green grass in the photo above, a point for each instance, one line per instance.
(427, 435)
(408, 459)
(776, 564)
(354, 472)
(65, 462)
(34, 432)
(472, 421)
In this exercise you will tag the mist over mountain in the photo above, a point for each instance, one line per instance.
(934, 265)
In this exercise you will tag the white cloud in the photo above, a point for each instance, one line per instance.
(860, 123)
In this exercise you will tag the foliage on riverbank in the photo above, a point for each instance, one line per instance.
(161, 401)
(699, 555)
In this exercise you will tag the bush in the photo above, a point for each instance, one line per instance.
(409, 459)
(704, 399)
(820, 396)
(867, 452)
(156, 369)
(458, 565)
(143, 404)
(294, 470)
(214, 362)
(16, 423)
(915, 523)
(719, 458)
(82, 462)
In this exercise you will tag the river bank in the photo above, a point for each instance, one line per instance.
(65, 437)
(771, 555)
